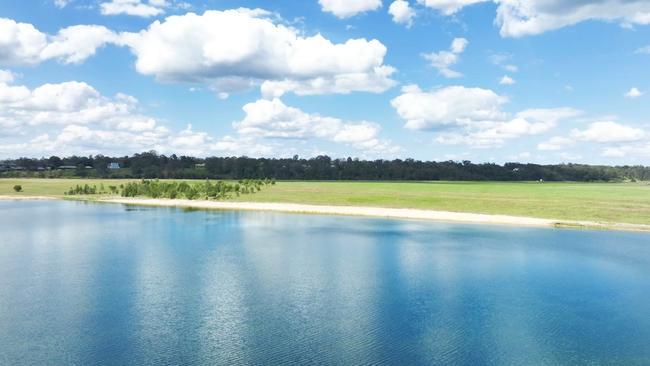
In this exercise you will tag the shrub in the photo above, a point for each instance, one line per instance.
(18, 188)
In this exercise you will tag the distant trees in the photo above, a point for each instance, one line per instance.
(207, 190)
(172, 190)
(150, 165)
(82, 190)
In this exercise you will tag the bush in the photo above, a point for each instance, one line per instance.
(18, 188)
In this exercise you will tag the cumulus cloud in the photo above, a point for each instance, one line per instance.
(78, 120)
(23, 44)
(134, 7)
(555, 143)
(73, 45)
(607, 132)
(74, 118)
(402, 12)
(6, 76)
(507, 80)
(633, 93)
(273, 119)
(65, 103)
(349, 8)
(231, 50)
(443, 60)
(472, 116)
(235, 49)
(519, 18)
(634, 150)
(454, 105)
(449, 7)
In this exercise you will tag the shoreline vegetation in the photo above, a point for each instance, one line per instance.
(208, 190)
(621, 206)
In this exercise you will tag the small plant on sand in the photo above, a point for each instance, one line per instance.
(18, 188)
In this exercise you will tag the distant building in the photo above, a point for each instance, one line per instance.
(199, 166)
(113, 165)
(67, 167)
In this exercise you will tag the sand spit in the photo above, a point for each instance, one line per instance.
(381, 212)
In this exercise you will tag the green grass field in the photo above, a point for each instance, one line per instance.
(603, 202)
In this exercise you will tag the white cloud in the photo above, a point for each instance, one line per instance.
(555, 143)
(402, 12)
(614, 152)
(487, 134)
(74, 118)
(61, 3)
(73, 45)
(640, 150)
(608, 132)
(449, 7)
(68, 103)
(20, 43)
(236, 49)
(454, 105)
(633, 93)
(507, 80)
(519, 18)
(23, 44)
(6, 77)
(273, 119)
(348, 8)
(645, 50)
(443, 60)
(473, 115)
(134, 7)
(230, 50)
(503, 60)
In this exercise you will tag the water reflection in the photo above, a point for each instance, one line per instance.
(104, 284)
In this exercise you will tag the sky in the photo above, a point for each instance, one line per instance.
(542, 81)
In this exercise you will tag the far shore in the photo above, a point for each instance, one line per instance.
(27, 198)
(377, 212)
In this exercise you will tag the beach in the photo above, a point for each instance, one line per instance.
(358, 210)
(379, 212)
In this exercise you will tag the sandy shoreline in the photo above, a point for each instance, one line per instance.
(378, 212)
(25, 198)
(381, 212)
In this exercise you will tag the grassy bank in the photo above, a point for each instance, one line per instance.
(602, 202)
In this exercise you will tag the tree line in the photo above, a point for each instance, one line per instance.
(172, 190)
(150, 165)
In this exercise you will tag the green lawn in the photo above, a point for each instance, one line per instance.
(604, 202)
(49, 187)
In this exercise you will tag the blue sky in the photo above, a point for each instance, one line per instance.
(542, 81)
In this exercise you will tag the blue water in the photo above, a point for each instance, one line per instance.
(89, 284)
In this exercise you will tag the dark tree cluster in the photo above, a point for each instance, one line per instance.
(150, 165)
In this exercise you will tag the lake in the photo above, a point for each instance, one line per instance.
(100, 284)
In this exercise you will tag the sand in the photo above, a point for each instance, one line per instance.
(380, 212)
(25, 198)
